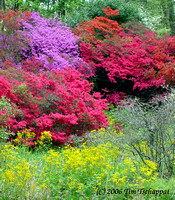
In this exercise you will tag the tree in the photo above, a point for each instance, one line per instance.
(171, 7)
(165, 8)
(2, 5)
(90, 9)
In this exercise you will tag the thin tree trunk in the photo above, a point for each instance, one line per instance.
(48, 11)
(63, 6)
(53, 7)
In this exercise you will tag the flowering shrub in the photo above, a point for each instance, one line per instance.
(52, 42)
(57, 101)
(45, 141)
(126, 61)
(35, 43)
(27, 138)
(99, 28)
(115, 98)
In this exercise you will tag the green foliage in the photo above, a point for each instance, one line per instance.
(16, 4)
(5, 105)
(47, 8)
(21, 89)
(4, 134)
(91, 9)
(158, 15)
(5, 112)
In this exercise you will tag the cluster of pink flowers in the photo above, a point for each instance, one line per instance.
(56, 101)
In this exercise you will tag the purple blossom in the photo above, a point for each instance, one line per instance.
(52, 42)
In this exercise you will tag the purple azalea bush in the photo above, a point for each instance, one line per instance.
(52, 42)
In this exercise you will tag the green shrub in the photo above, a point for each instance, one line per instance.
(5, 112)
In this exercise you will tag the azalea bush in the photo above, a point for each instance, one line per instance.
(51, 42)
(123, 60)
(57, 101)
(99, 28)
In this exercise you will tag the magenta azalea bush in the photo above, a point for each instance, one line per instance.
(51, 42)
(58, 101)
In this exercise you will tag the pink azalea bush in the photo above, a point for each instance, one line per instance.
(58, 101)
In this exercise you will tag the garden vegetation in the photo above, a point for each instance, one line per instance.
(85, 112)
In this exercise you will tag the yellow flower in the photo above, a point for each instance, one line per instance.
(112, 122)
(43, 186)
(102, 129)
(80, 186)
(133, 169)
(152, 164)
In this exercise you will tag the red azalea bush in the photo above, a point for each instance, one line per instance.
(126, 60)
(11, 43)
(99, 28)
(57, 101)
(10, 20)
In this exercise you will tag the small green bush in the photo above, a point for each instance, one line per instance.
(5, 112)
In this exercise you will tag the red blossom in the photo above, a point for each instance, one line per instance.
(57, 101)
